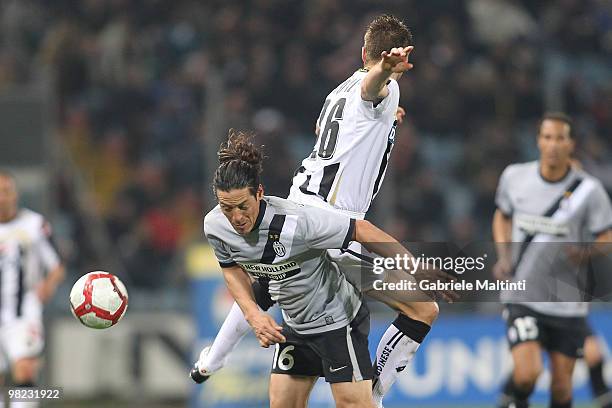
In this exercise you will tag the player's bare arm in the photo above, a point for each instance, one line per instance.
(399, 115)
(502, 235)
(47, 287)
(378, 241)
(374, 85)
(266, 329)
(583, 254)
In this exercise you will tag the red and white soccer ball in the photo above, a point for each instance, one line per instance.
(98, 300)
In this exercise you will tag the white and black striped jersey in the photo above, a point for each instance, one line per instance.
(350, 157)
(287, 247)
(26, 254)
(545, 216)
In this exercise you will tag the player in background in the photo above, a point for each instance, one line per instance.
(285, 243)
(356, 133)
(593, 356)
(30, 270)
(539, 205)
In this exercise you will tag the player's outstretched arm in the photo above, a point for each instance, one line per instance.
(378, 241)
(266, 329)
(374, 85)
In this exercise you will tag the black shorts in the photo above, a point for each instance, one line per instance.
(565, 335)
(339, 355)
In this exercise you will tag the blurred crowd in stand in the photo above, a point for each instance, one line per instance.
(131, 80)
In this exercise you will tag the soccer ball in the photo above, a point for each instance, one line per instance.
(98, 300)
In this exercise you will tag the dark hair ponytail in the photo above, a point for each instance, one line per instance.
(240, 164)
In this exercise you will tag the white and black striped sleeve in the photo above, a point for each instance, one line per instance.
(221, 252)
(325, 229)
(223, 256)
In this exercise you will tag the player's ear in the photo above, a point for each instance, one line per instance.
(363, 55)
(260, 192)
(572, 146)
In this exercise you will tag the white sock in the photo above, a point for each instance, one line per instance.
(395, 351)
(234, 328)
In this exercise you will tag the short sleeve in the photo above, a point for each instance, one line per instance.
(46, 249)
(599, 216)
(502, 195)
(219, 248)
(388, 106)
(223, 256)
(324, 229)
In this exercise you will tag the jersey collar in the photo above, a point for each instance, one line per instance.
(262, 212)
(562, 179)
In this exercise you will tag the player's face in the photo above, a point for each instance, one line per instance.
(555, 143)
(240, 207)
(8, 198)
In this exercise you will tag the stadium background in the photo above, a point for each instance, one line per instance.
(112, 111)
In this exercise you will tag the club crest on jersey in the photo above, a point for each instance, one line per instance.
(565, 202)
(279, 248)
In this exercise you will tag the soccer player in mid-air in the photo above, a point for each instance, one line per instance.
(325, 329)
(344, 172)
(30, 270)
(547, 205)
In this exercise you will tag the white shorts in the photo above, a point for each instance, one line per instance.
(21, 338)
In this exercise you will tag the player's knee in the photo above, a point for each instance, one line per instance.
(25, 370)
(347, 400)
(423, 311)
(526, 378)
(592, 352)
(281, 401)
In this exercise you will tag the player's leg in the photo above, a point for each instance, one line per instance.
(234, 328)
(4, 366)
(562, 368)
(564, 344)
(288, 391)
(346, 362)
(526, 336)
(593, 356)
(403, 337)
(357, 394)
(25, 373)
(295, 369)
(23, 346)
(527, 359)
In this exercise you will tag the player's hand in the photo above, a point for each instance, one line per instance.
(266, 330)
(396, 60)
(502, 270)
(577, 255)
(399, 115)
(44, 292)
(432, 274)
